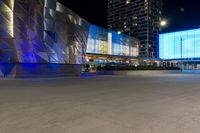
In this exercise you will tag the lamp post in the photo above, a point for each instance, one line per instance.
(181, 54)
(163, 24)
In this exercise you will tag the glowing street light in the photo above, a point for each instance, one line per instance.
(119, 32)
(163, 23)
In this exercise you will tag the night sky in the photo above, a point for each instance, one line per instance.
(180, 14)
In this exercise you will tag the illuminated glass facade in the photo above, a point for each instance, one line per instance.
(180, 45)
(107, 42)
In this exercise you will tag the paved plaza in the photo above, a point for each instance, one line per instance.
(168, 103)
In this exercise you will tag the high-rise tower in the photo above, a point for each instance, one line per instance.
(138, 18)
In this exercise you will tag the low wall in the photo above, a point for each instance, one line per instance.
(23, 70)
(129, 73)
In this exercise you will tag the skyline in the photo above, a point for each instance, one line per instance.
(179, 15)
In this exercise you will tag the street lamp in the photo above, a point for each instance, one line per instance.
(181, 54)
(119, 32)
(163, 23)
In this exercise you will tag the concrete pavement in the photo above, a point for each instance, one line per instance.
(167, 103)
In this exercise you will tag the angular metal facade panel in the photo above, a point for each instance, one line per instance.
(41, 31)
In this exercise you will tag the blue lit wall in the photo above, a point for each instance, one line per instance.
(171, 45)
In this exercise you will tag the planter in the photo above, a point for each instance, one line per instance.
(129, 73)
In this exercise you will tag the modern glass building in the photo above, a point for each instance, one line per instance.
(43, 37)
(180, 45)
